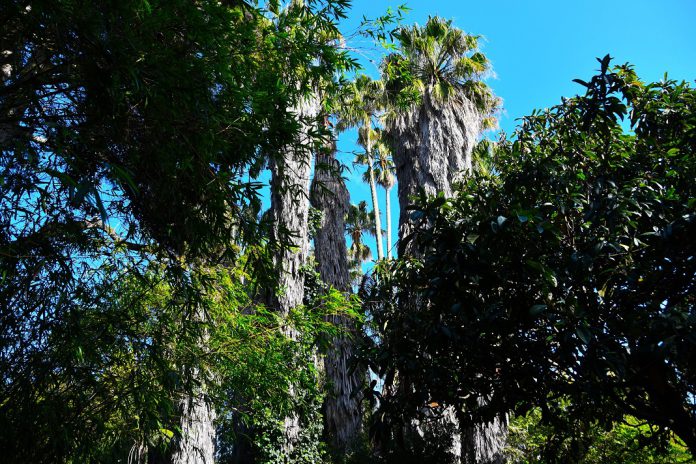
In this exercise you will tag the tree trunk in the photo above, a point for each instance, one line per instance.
(375, 200)
(387, 194)
(342, 412)
(484, 443)
(289, 215)
(197, 444)
(432, 150)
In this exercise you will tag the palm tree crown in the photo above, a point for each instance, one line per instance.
(383, 164)
(358, 221)
(441, 61)
(362, 100)
(438, 107)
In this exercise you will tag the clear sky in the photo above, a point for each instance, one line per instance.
(538, 47)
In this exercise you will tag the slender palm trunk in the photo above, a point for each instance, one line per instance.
(342, 412)
(375, 200)
(387, 194)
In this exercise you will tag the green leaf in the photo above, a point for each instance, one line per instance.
(537, 266)
(537, 309)
(584, 334)
(100, 206)
(124, 177)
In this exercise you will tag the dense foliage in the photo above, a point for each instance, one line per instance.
(565, 279)
(151, 311)
(130, 135)
(528, 438)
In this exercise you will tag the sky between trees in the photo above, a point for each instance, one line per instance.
(538, 47)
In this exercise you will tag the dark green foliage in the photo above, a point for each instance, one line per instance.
(528, 439)
(127, 133)
(565, 278)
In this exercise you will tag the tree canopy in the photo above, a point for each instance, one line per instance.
(566, 274)
(183, 274)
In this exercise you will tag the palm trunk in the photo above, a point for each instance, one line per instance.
(485, 443)
(387, 194)
(342, 412)
(289, 216)
(197, 444)
(432, 149)
(375, 200)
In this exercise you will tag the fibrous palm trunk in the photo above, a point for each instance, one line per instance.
(197, 443)
(342, 414)
(432, 150)
(484, 443)
(289, 216)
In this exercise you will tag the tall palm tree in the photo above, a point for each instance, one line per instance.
(289, 211)
(362, 102)
(439, 107)
(384, 175)
(289, 214)
(329, 195)
(358, 221)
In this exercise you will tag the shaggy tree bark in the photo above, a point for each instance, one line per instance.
(342, 413)
(432, 147)
(289, 218)
(484, 443)
(197, 444)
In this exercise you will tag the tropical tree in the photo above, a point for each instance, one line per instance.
(565, 281)
(359, 221)
(329, 195)
(438, 106)
(384, 175)
(361, 103)
(80, 183)
(103, 108)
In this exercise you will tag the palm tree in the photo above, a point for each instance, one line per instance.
(358, 221)
(360, 105)
(439, 107)
(342, 409)
(384, 175)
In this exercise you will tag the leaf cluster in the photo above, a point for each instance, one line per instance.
(566, 273)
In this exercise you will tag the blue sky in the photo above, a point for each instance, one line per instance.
(538, 47)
